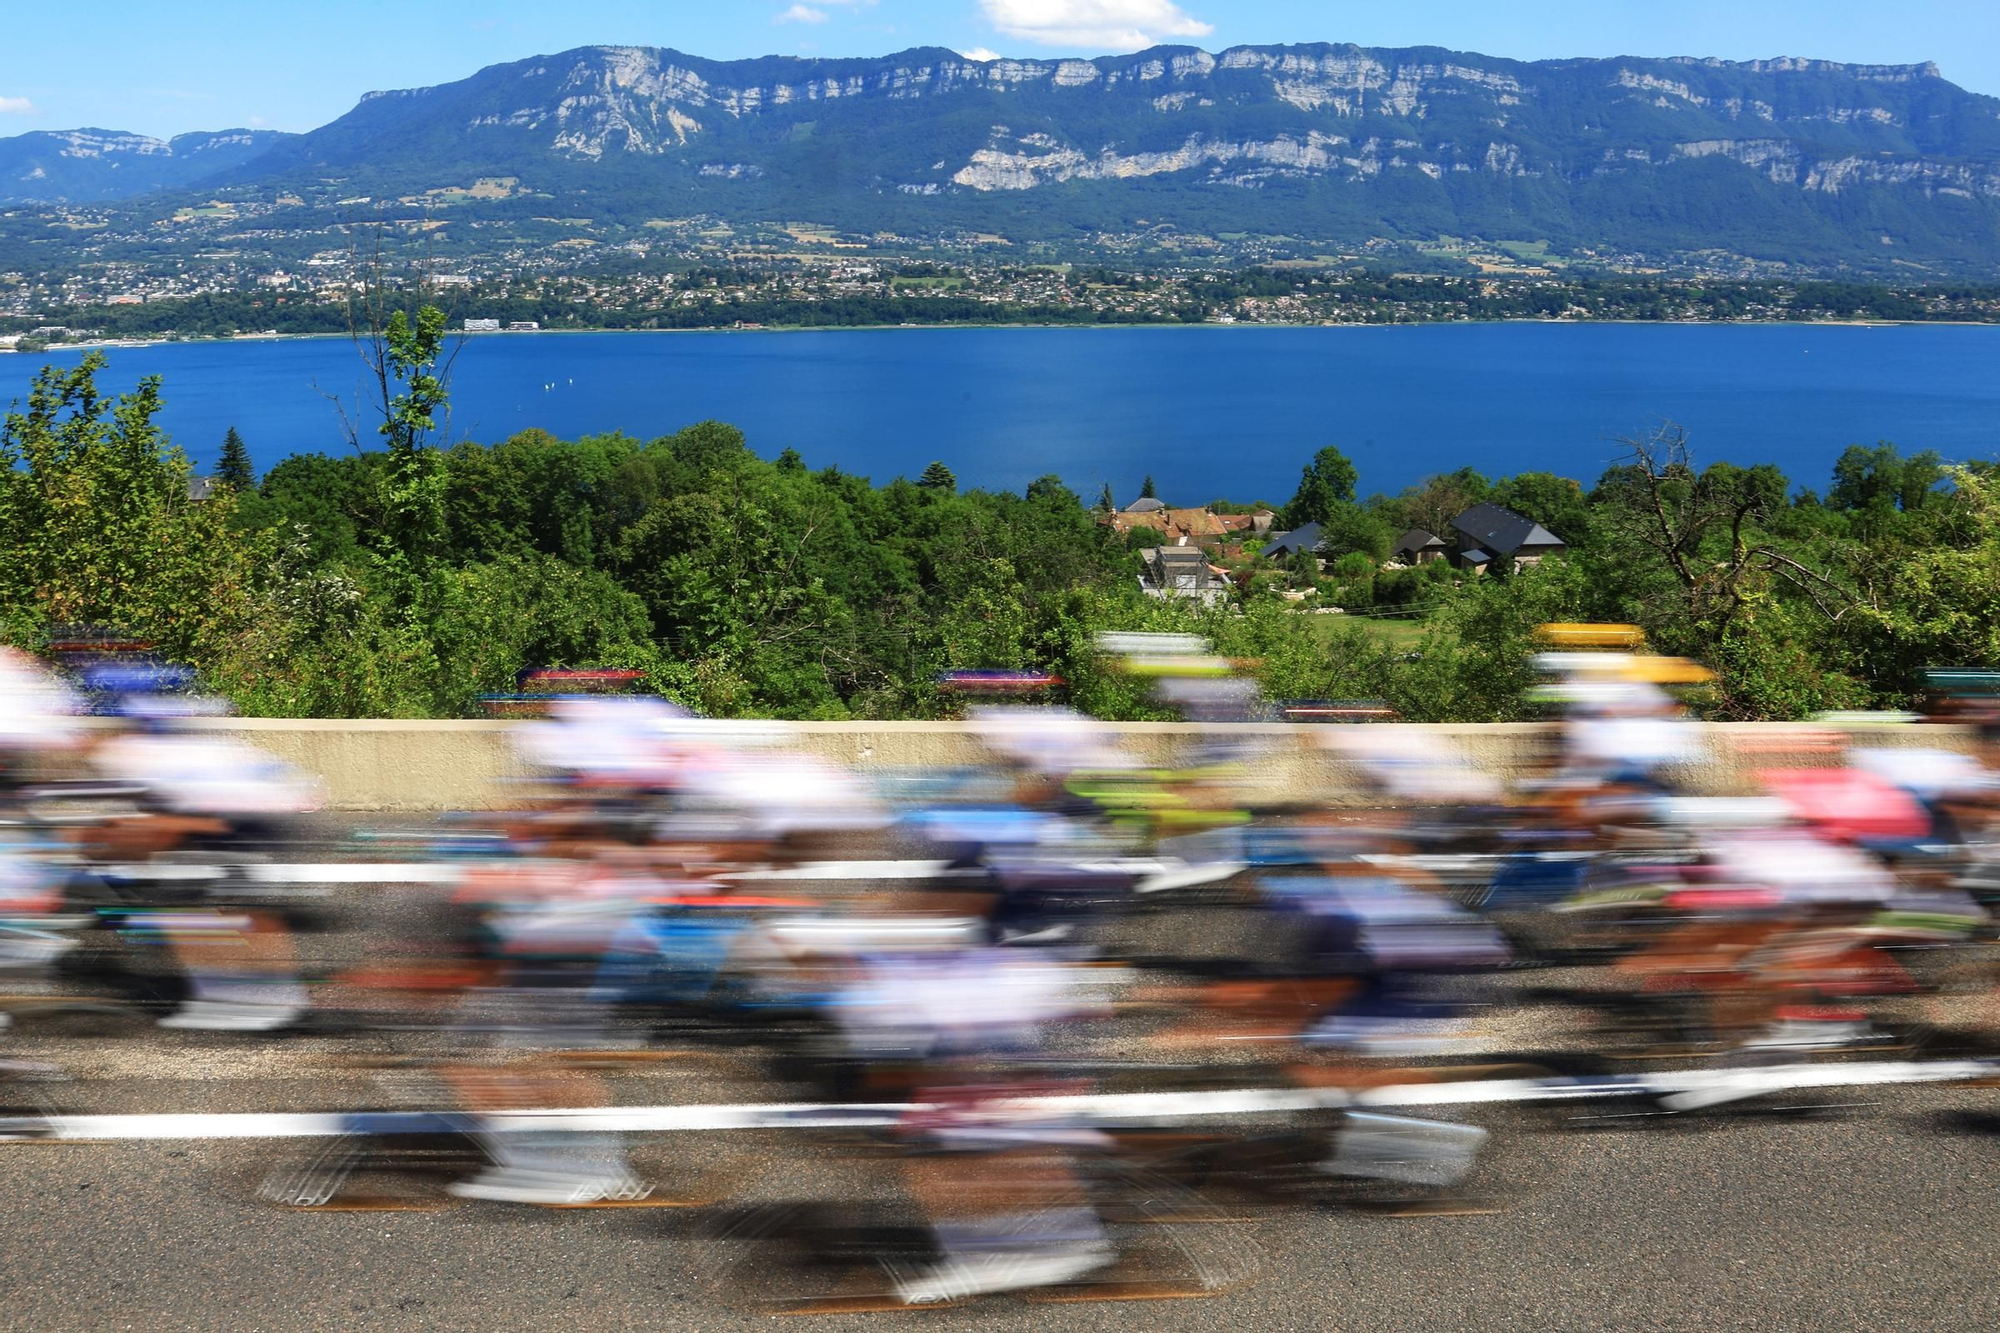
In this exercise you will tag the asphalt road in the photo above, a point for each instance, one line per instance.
(1885, 1216)
(1884, 1220)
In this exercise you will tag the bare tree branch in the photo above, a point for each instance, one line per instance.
(1811, 582)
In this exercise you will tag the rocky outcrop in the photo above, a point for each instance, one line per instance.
(1787, 164)
(598, 102)
(1004, 167)
(929, 137)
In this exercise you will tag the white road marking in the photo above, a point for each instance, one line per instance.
(359, 872)
(1690, 1089)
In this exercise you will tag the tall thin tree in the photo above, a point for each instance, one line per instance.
(233, 468)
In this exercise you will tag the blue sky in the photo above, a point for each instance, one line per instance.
(159, 67)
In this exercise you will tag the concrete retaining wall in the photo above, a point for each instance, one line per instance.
(419, 766)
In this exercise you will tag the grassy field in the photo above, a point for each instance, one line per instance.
(1403, 633)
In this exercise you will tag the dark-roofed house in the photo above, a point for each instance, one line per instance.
(1489, 534)
(1284, 545)
(1417, 547)
(1145, 504)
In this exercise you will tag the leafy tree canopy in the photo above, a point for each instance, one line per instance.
(1325, 484)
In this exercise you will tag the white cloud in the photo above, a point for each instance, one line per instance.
(16, 106)
(816, 11)
(1122, 24)
(981, 54)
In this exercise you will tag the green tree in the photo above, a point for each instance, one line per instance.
(1476, 661)
(1324, 484)
(1698, 558)
(1938, 607)
(1147, 491)
(1304, 569)
(709, 447)
(1105, 504)
(1049, 490)
(1922, 475)
(1349, 527)
(1433, 504)
(332, 501)
(1868, 479)
(411, 375)
(1557, 503)
(97, 527)
(233, 468)
(938, 477)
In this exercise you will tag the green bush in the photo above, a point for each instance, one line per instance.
(1353, 565)
(1355, 594)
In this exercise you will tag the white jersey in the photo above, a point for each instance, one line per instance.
(37, 711)
(199, 775)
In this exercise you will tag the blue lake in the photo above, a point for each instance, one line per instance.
(1208, 411)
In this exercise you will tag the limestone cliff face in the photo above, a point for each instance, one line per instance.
(611, 98)
(1025, 165)
(1788, 164)
(1353, 113)
(1767, 158)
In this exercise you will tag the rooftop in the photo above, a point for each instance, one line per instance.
(1502, 530)
(1283, 544)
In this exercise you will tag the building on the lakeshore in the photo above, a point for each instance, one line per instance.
(1488, 533)
(1417, 547)
(1183, 572)
(524, 326)
(482, 326)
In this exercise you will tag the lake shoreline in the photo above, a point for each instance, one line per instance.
(1206, 416)
(118, 344)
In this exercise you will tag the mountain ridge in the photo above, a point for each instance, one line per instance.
(91, 164)
(1790, 159)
